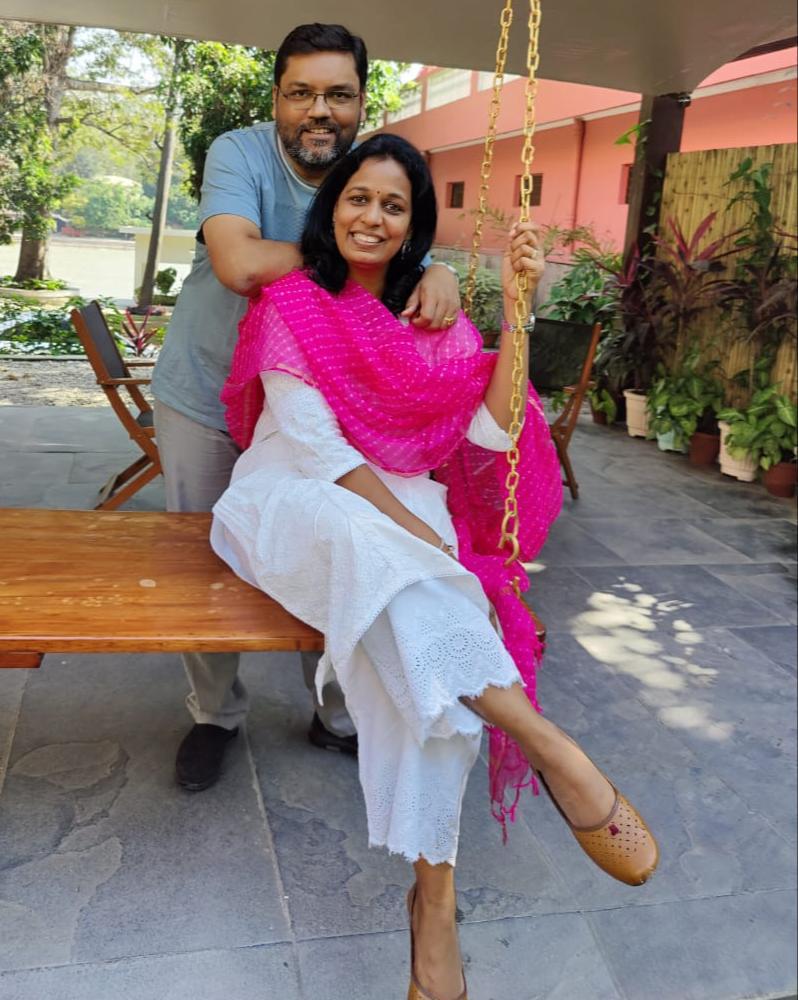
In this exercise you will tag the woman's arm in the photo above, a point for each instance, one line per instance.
(523, 254)
(321, 451)
(368, 485)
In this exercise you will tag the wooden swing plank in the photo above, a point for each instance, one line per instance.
(102, 581)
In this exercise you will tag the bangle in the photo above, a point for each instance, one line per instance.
(444, 263)
(529, 326)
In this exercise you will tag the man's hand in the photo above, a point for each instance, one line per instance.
(435, 301)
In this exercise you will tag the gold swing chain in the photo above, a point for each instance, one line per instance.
(510, 523)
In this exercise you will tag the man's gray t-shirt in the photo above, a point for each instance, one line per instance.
(246, 174)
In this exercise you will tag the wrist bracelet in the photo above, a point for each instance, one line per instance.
(528, 327)
(444, 263)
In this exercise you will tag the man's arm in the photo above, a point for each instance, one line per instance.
(241, 259)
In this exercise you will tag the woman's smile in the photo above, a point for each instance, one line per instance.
(372, 214)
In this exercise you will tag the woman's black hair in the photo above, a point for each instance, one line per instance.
(322, 258)
(310, 38)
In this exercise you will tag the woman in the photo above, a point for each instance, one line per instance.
(344, 411)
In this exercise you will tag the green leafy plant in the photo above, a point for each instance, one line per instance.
(165, 279)
(761, 298)
(26, 330)
(766, 431)
(602, 401)
(583, 294)
(557, 400)
(488, 304)
(33, 284)
(685, 401)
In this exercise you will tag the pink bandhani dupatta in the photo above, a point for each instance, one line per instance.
(405, 398)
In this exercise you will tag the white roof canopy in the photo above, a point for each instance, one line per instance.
(646, 46)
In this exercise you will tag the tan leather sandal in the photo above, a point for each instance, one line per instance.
(416, 991)
(621, 845)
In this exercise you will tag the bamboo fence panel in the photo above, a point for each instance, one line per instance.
(697, 184)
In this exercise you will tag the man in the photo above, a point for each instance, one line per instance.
(257, 186)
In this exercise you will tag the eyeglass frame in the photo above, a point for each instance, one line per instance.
(324, 95)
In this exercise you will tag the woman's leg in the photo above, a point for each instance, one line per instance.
(437, 964)
(580, 789)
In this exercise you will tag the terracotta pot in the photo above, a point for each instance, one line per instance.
(780, 479)
(636, 413)
(743, 469)
(704, 448)
(599, 417)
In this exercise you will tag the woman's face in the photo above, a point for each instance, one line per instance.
(372, 216)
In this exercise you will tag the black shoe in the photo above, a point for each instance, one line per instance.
(199, 758)
(323, 738)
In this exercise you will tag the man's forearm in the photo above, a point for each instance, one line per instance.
(255, 262)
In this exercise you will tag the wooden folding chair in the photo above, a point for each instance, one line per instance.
(128, 402)
(553, 360)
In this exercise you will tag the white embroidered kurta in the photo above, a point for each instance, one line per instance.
(406, 627)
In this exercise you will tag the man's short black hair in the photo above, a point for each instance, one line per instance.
(308, 38)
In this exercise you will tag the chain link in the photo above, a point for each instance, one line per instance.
(510, 522)
(487, 157)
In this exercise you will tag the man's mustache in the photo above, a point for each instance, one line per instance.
(330, 124)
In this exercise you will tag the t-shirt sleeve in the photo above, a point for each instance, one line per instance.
(228, 186)
(304, 418)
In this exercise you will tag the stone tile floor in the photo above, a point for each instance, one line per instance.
(669, 593)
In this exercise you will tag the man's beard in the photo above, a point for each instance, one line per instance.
(316, 159)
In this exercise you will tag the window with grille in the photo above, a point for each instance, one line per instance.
(455, 194)
(447, 85)
(537, 190)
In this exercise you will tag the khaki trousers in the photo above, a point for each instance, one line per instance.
(197, 464)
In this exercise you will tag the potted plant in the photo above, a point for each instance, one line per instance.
(682, 408)
(660, 297)
(487, 306)
(763, 435)
(603, 407)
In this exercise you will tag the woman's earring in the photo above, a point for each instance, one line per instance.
(405, 248)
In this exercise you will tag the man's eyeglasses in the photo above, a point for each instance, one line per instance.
(305, 99)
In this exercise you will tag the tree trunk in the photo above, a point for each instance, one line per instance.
(32, 262)
(59, 43)
(164, 182)
(158, 214)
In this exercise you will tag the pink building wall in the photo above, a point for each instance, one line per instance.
(586, 187)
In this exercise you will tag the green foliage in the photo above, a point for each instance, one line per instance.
(100, 207)
(33, 284)
(685, 401)
(487, 307)
(26, 330)
(765, 430)
(602, 402)
(222, 87)
(583, 294)
(165, 279)
(761, 299)
(41, 330)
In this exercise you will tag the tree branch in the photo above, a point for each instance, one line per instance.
(112, 134)
(99, 86)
